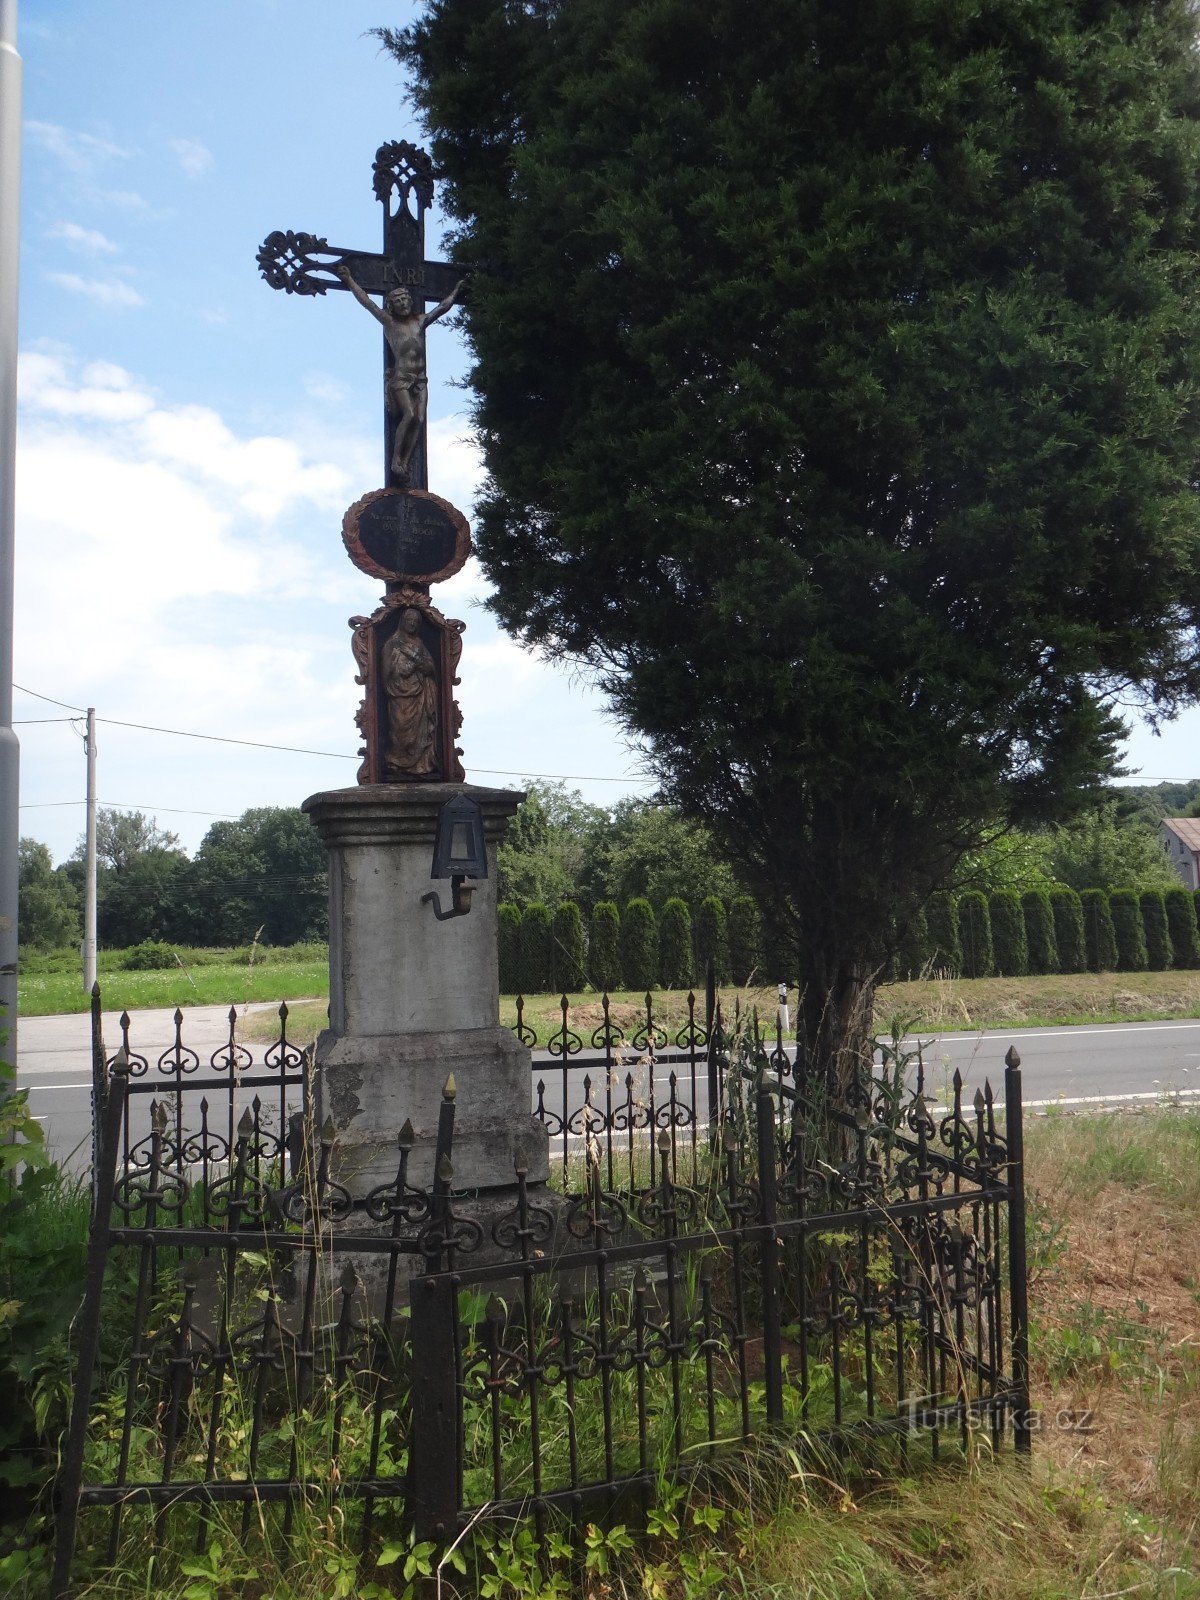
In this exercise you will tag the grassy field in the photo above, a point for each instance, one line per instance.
(226, 977)
(934, 1004)
(51, 985)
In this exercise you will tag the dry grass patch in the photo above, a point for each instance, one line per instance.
(1115, 1265)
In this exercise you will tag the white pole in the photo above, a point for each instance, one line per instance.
(10, 753)
(89, 887)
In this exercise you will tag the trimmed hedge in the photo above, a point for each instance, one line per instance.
(975, 934)
(1068, 930)
(945, 946)
(745, 940)
(508, 938)
(567, 951)
(1182, 926)
(639, 945)
(1040, 938)
(676, 957)
(1008, 934)
(604, 947)
(537, 965)
(1128, 931)
(913, 950)
(712, 938)
(1159, 956)
(1099, 937)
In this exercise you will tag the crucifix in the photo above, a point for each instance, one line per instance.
(406, 651)
(302, 263)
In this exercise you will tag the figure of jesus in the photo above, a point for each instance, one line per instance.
(407, 386)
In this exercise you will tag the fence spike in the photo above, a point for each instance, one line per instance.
(245, 1124)
(348, 1281)
(1012, 1059)
(449, 1088)
(407, 1136)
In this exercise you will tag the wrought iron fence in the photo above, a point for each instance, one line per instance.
(707, 1270)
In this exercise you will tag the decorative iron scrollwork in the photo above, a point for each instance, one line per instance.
(402, 167)
(287, 261)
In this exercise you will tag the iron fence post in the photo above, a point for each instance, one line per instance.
(1018, 1281)
(434, 1449)
(99, 1091)
(772, 1336)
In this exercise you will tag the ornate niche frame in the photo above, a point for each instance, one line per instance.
(442, 637)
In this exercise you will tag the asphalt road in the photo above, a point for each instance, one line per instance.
(1117, 1062)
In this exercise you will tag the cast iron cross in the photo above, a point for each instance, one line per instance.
(301, 263)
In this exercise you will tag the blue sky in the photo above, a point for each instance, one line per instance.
(189, 439)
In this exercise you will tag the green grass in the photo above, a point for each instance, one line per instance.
(52, 984)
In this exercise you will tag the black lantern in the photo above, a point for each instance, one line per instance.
(459, 852)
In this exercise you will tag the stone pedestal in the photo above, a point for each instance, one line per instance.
(412, 999)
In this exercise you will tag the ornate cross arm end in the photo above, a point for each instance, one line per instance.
(406, 169)
(288, 261)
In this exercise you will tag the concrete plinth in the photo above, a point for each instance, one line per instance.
(412, 999)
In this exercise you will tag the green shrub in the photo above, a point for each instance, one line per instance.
(567, 955)
(745, 940)
(1099, 938)
(536, 962)
(1128, 931)
(676, 956)
(149, 956)
(945, 946)
(1040, 938)
(1068, 930)
(975, 934)
(639, 945)
(1008, 934)
(604, 947)
(43, 1260)
(912, 952)
(1181, 923)
(1158, 935)
(712, 938)
(508, 941)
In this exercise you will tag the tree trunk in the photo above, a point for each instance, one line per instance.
(836, 1029)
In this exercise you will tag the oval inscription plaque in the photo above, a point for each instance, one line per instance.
(406, 534)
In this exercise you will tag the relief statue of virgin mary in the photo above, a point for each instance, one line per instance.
(411, 685)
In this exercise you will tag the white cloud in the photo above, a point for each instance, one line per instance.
(79, 152)
(324, 387)
(109, 292)
(209, 591)
(194, 157)
(86, 241)
(106, 394)
(123, 199)
(455, 462)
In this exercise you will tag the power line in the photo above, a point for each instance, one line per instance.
(121, 805)
(300, 750)
(28, 722)
(223, 738)
(50, 700)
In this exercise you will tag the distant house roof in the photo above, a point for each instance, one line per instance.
(1185, 829)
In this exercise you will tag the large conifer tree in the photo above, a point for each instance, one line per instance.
(836, 369)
